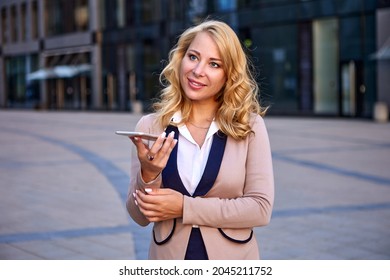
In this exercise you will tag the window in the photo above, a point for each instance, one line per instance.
(176, 9)
(4, 26)
(13, 26)
(15, 80)
(101, 14)
(226, 5)
(66, 16)
(151, 55)
(23, 10)
(151, 11)
(120, 13)
(116, 13)
(53, 18)
(81, 15)
(277, 55)
(34, 20)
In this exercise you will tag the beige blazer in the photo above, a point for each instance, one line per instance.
(241, 198)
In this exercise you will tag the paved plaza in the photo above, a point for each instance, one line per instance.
(64, 179)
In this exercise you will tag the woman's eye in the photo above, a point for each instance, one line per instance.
(214, 64)
(192, 57)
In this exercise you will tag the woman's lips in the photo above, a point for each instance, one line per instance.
(194, 84)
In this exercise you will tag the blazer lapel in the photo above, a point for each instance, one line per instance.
(170, 174)
(213, 164)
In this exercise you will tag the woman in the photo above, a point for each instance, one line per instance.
(208, 179)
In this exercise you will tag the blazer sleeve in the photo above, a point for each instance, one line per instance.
(145, 124)
(254, 206)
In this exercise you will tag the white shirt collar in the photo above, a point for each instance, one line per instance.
(177, 117)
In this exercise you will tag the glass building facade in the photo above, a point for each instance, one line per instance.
(313, 57)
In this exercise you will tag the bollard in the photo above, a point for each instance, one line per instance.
(137, 107)
(381, 113)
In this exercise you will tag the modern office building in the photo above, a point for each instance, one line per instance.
(313, 57)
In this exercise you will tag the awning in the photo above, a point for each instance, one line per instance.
(60, 71)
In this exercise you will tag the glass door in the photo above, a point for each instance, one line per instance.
(352, 88)
(325, 66)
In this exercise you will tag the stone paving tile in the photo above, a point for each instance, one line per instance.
(95, 249)
(47, 249)
(12, 252)
(122, 242)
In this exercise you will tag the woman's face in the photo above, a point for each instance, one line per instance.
(201, 72)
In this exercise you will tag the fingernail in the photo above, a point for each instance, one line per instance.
(134, 195)
(172, 134)
(135, 201)
(163, 134)
(136, 139)
(148, 190)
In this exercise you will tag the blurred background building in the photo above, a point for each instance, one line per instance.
(313, 57)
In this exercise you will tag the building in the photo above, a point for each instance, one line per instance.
(48, 49)
(314, 57)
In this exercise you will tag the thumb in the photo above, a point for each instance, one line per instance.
(157, 191)
(151, 190)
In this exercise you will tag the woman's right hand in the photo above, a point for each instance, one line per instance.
(154, 159)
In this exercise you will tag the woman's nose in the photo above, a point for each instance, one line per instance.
(198, 70)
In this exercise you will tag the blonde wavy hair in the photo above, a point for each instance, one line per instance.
(237, 100)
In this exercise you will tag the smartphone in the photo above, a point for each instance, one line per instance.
(142, 135)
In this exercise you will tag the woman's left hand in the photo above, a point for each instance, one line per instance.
(160, 204)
